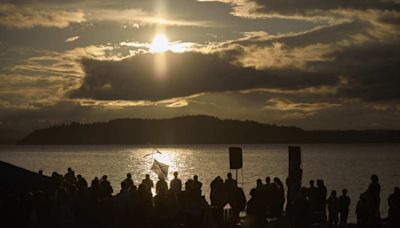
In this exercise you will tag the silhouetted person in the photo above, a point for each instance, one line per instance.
(230, 183)
(189, 186)
(362, 211)
(161, 184)
(161, 205)
(176, 185)
(394, 208)
(344, 204)
(69, 177)
(148, 182)
(94, 188)
(261, 194)
(105, 187)
(373, 196)
(121, 205)
(274, 198)
(40, 172)
(238, 203)
(82, 183)
(301, 210)
(144, 206)
(128, 181)
(230, 188)
(333, 209)
(217, 193)
(254, 209)
(197, 185)
(322, 194)
(312, 194)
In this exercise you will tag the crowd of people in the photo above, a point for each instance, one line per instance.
(72, 202)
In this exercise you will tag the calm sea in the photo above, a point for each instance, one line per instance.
(340, 165)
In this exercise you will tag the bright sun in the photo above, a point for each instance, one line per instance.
(160, 43)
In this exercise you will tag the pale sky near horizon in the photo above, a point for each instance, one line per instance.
(332, 64)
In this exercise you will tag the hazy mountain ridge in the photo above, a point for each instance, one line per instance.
(196, 130)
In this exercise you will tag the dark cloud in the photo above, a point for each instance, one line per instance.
(370, 71)
(306, 7)
(21, 17)
(186, 74)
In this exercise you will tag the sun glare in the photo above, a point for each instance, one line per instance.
(160, 43)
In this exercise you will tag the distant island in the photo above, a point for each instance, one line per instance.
(195, 130)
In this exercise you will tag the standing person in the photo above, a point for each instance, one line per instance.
(344, 204)
(322, 193)
(70, 178)
(362, 211)
(128, 181)
(148, 182)
(161, 185)
(312, 194)
(217, 191)
(394, 208)
(301, 210)
(176, 185)
(197, 185)
(230, 183)
(333, 209)
(82, 183)
(105, 187)
(373, 193)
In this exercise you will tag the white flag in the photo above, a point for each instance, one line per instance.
(160, 169)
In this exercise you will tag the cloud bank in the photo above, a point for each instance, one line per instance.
(25, 17)
(186, 74)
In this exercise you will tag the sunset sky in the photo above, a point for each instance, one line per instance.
(315, 64)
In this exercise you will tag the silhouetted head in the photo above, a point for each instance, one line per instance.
(104, 177)
(54, 174)
(229, 175)
(333, 193)
(40, 172)
(69, 169)
(160, 177)
(176, 174)
(344, 192)
(259, 182)
(397, 190)
(374, 178)
(79, 176)
(195, 177)
(311, 183)
(268, 180)
(147, 176)
(128, 175)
